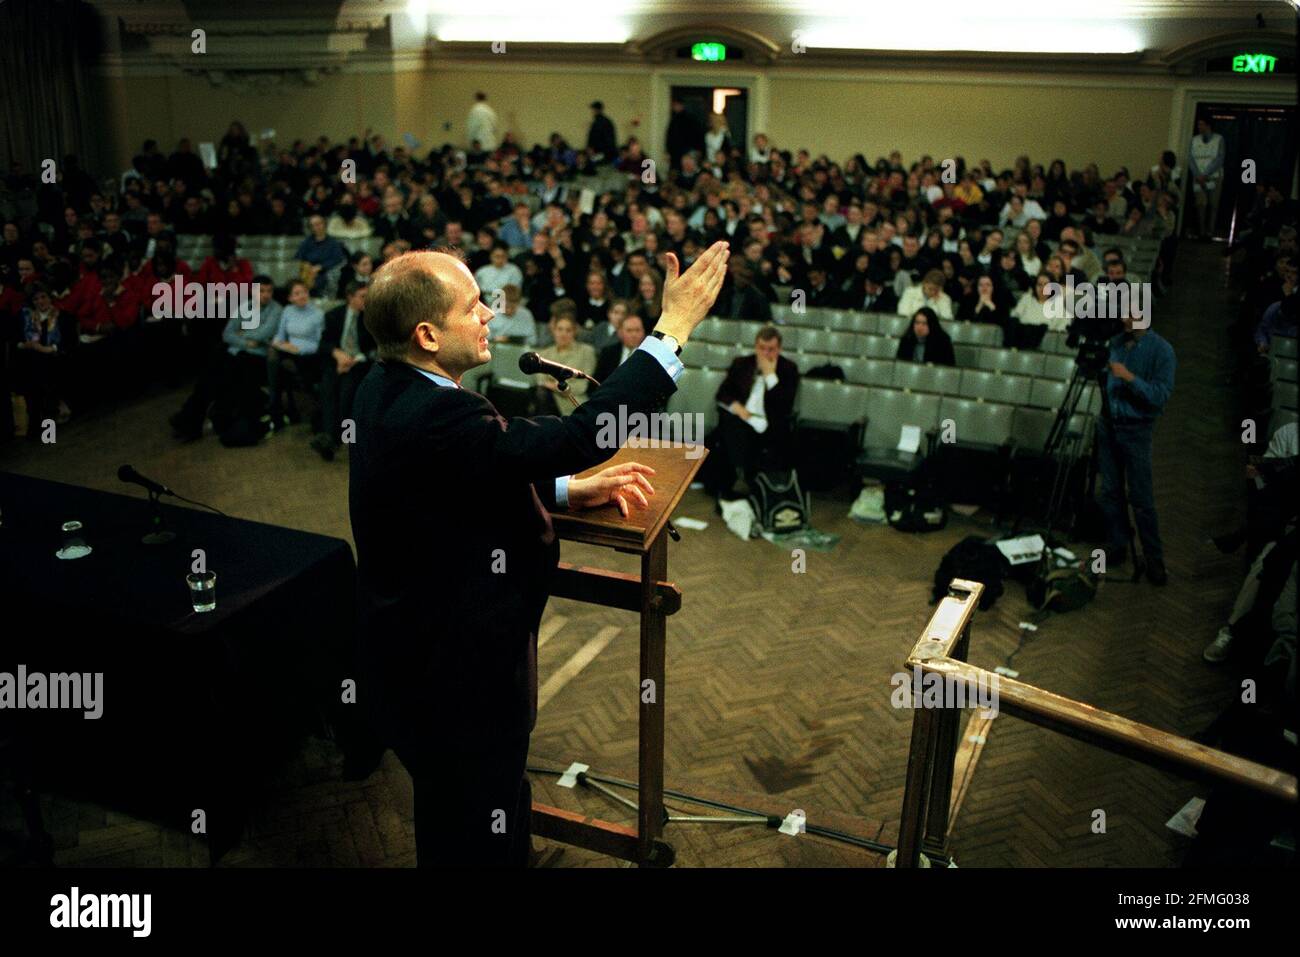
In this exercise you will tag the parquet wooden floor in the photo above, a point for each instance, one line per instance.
(778, 683)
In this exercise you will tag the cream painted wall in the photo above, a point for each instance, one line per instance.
(532, 104)
(1109, 125)
(1080, 121)
(431, 104)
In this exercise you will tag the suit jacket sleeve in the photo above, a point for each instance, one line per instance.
(546, 493)
(542, 448)
(332, 333)
(734, 388)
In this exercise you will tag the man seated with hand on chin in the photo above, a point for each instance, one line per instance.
(755, 402)
(450, 506)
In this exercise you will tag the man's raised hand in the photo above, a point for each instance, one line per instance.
(688, 297)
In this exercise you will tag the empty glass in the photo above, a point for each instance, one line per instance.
(73, 545)
(203, 591)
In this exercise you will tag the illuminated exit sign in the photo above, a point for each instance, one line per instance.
(1253, 63)
(709, 52)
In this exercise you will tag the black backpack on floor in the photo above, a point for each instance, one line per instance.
(778, 502)
(974, 559)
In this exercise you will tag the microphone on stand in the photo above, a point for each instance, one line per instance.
(128, 474)
(158, 533)
(531, 363)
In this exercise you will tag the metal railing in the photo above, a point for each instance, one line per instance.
(942, 650)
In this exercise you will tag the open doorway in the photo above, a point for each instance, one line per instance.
(1263, 133)
(702, 102)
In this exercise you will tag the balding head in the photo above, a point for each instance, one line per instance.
(414, 288)
(424, 308)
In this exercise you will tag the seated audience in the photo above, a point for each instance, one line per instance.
(566, 350)
(756, 402)
(40, 360)
(631, 333)
(347, 352)
(929, 294)
(293, 357)
(925, 341)
(235, 371)
(320, 258)
(513, 322)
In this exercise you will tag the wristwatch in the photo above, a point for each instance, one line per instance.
(668, 341)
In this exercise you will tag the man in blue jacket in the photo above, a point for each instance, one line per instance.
(1140, 381)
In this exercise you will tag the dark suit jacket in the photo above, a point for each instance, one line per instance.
(778, 403)
(332, 333)
(938, 349)
(747, 303)
(607, 361)
(455, 550)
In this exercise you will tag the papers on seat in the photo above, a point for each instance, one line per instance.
(909, 440)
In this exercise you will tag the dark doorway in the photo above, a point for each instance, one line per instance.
(1264, 134)
(699, 101)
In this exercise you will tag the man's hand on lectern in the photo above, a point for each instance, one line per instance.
(689, 297)
(618, 484)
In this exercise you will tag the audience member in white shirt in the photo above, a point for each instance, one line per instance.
(1033, 308)
(929, 293)
(513, 322)
(498, 273)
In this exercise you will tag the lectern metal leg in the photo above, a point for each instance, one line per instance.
(650, 779)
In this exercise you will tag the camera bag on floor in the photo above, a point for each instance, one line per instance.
(1061, 587)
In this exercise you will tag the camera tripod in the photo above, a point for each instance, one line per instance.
(1065, 447)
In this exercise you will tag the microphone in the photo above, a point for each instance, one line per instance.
(128, 474)
(531, 362)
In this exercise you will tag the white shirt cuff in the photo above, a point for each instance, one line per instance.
(664, 356)
(562, 491)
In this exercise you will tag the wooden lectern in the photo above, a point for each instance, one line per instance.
(643, 532)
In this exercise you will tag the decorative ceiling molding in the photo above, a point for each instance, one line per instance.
(663, 46)
(1219, 43)
(263, 81)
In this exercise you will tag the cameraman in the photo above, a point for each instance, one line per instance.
(1141, 379)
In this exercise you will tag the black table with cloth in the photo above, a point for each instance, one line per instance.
(197, 708)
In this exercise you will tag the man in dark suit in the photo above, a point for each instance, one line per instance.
(873, 296)
(347, 349)
(740, 298)
(455, 547)
(631, 333)
(757, 399)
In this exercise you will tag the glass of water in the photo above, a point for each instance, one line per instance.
(73, 544)
(203, 591)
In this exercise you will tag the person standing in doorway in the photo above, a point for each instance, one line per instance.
(1206, 157)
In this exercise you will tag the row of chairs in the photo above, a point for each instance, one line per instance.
(795, 330)
(717, 341)
(792, 321)
(1282, 367)
(882, 412)
(1043, 391)
(265, 250)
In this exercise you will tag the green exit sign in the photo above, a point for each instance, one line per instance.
(1253, 63)
(709, 52)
